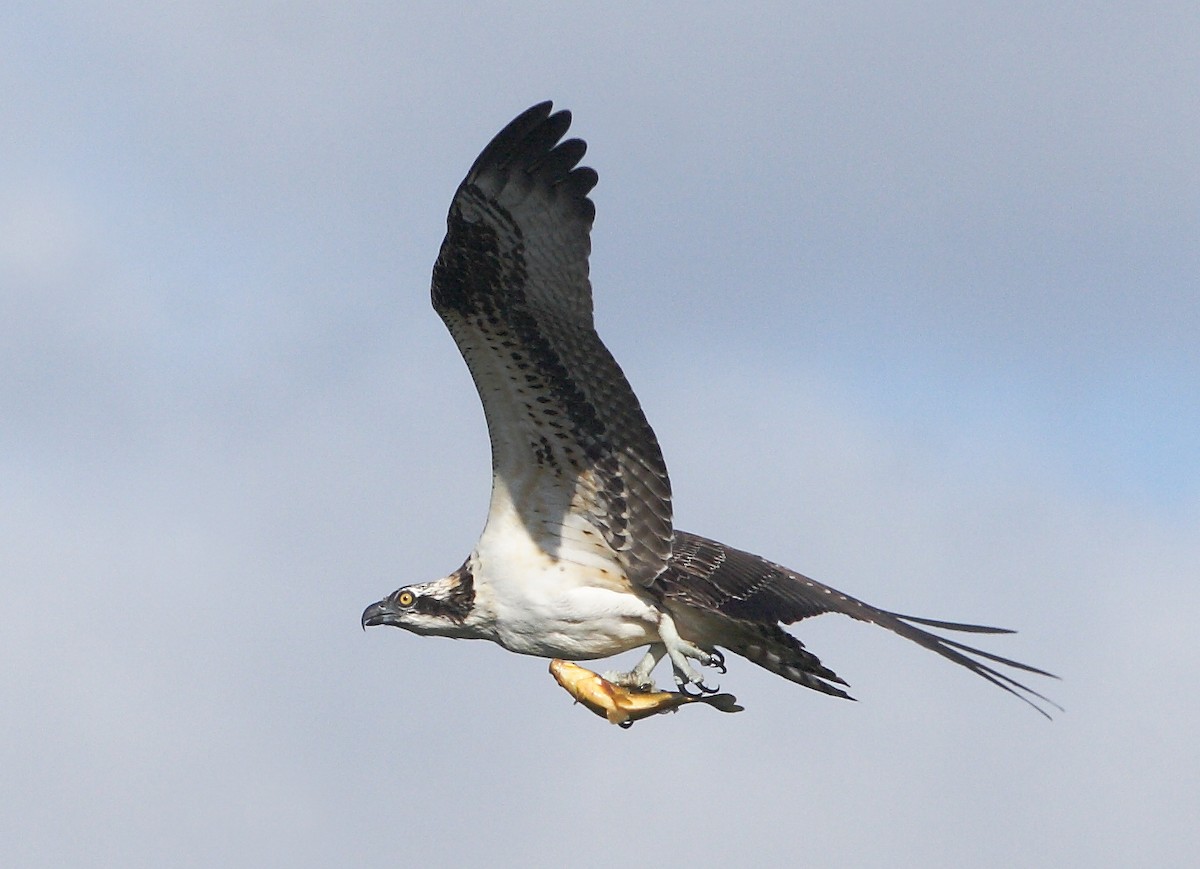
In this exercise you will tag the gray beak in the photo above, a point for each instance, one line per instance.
(378, 613)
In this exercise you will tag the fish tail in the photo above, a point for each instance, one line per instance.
(723, 702)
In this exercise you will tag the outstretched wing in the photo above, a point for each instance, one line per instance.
(717, 578)
(572, 453)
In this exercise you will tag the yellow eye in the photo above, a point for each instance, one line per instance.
(406, 598)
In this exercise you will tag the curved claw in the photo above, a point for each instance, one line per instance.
(702, 690)
(718, 661)
(683, 689)
(680, 650)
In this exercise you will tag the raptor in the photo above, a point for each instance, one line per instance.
(579, 558)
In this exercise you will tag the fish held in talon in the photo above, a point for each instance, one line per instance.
(623, 706)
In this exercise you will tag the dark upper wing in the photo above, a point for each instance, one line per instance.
(712, 576)
(571, 449)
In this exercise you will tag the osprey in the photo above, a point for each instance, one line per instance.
(579, 558)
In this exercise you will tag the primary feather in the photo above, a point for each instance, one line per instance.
(579, 557)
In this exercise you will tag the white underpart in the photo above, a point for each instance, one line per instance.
(557, 596)
(562, 593)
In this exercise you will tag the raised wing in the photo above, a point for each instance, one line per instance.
(718, 578)
(572, 452)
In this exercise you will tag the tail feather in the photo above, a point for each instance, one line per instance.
(955, 626)
(754, 596)
(774, 649)
(957, 652)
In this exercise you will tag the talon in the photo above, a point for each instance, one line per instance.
(702, 690)
(718, 661)
(683, 689)
(680, 650)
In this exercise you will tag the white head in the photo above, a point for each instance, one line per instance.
(440, 608)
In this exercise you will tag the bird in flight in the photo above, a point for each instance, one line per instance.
(579, 558)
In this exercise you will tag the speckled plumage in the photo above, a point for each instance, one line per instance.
(511, 283)
(579, 557)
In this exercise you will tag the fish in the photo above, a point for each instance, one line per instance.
(623, 706)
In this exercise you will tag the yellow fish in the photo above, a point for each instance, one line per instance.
(624, 706)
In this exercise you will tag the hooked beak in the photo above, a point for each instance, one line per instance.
(378, 613)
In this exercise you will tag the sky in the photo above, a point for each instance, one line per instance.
(908, 291)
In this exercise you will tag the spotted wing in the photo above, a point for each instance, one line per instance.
(572, 452)
(717, 578)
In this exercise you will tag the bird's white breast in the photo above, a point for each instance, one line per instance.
(555, 595)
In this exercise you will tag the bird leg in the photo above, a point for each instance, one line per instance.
(680, 650)
(638, 678)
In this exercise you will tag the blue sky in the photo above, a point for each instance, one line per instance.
(908, 292)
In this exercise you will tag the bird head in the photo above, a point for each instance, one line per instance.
(439, 608)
